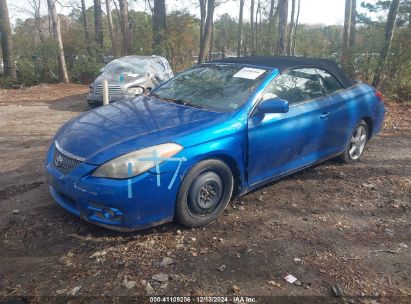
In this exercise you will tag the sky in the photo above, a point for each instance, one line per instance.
(312, 11)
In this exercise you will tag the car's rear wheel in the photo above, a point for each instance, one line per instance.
(356, 145)
(204, 193)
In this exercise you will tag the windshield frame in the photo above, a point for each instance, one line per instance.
(259, 85)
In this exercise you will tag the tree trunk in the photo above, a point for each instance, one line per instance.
(240, 29)
(6, 42)
(276, 14)
(36, 6)
(324, 42)
(257, 28)
(389, 32)
(272, 25)
(124, 25)
(131, 25)
(291, 29)
(282, 25)
(272, 9)
(85, 25)
(205, 37)
(110, 28)
(252, 28)
(351, 43)
(345, 58)
(98, 24)
(203, 11)
(63, 76)
(210, 47)
(295, 29)
(159, 27)
(409, 17)
(49, 25)
(118, 24)
(37, 19)
(353, 23)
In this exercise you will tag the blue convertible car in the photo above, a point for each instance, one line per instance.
(216, 130)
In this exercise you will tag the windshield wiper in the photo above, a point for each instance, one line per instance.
(187, 103)
(179, 101)
(154, 95)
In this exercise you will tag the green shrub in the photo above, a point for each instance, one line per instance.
(85, 70)
(8, 83)
(26, 72)
(396, 81)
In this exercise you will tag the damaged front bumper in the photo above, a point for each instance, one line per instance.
(97, 99)
(107, 202)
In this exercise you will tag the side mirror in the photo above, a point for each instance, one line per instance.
(274, 105)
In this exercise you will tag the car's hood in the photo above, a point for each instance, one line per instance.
(129, 79)
(109, 131)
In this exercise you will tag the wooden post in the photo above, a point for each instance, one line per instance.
(106, 99)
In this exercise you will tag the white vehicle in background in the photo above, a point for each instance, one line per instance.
(129, 76)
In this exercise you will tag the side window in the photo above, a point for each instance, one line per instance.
(330, 83)
(295, 86)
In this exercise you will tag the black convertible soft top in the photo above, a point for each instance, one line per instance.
(283, 63)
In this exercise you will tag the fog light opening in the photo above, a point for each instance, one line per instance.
(111, 213)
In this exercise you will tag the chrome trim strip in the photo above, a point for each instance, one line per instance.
(68, 154)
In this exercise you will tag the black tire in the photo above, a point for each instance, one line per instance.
(204, 193)
(346, 156)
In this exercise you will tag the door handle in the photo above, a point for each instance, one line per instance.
(324, 115)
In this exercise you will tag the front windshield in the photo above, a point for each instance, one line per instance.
(126, 67)
(219, 87)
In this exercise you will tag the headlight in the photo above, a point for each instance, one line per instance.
(118, 167)
(135, 90)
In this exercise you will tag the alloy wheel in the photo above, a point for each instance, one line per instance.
(357, 142)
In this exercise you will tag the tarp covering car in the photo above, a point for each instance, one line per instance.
(128, 76)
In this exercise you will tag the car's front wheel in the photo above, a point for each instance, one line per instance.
(356, 145)
(204, 193)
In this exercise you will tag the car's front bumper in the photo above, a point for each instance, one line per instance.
(107, 202)
(97, 99)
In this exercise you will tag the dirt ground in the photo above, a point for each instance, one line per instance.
(333, 224)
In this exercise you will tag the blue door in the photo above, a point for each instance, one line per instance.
(279, 143)
(340, 118)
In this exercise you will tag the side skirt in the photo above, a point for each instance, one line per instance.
(248, 188)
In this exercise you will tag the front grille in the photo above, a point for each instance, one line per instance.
(112, 90)
(64, 163)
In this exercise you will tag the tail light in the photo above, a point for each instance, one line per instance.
(379, 95)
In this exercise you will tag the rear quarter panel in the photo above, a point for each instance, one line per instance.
(361, 103)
